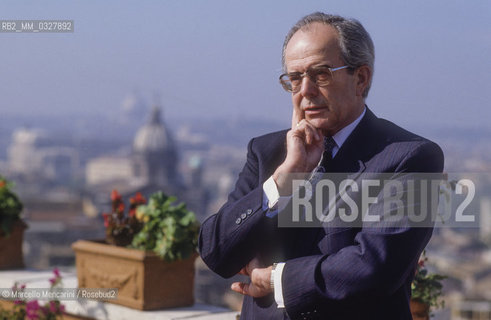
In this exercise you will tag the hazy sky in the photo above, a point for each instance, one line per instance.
(222, 58)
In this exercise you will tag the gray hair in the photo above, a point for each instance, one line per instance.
(356, 45)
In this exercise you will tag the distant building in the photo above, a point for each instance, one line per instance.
(153, 159)
(154, 153)
(107, 169)
(23, 156)
(55, 221)
(471, 310)
(34, 155)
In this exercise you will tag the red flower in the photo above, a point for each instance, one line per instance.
(115, 196)
(106, 219)
(140, 199)
(2, 183)
(119, 224)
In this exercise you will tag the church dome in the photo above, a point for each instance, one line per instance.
(152, 137)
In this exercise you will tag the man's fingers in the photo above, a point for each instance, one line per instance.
(296, 118)
(246, 289)
(260, 282)
(309, 132)
(240, 287)
(244, 271)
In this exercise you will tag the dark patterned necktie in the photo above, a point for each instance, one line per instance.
(329, 145)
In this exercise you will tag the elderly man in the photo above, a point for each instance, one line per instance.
(357, 272)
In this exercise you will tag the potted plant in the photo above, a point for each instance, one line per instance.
(11, 227)
(171, 231)
(426, 291)
(154, 271)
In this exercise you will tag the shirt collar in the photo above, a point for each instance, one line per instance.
(343, 134)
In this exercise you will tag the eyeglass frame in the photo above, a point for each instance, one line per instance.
(306, 73)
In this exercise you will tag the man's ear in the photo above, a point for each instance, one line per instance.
(362, 78)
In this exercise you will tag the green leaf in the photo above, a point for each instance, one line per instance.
(171, 231)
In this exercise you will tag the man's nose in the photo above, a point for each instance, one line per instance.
(309, 88)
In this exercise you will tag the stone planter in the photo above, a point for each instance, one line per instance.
(143, 280)
(11, 247)
(419, 310)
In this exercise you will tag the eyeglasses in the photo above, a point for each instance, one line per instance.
(321, 76)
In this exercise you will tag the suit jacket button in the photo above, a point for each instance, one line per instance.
(243, 216)
(249, 212)
(238, 221)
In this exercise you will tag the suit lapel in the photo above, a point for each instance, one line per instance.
(356, 149)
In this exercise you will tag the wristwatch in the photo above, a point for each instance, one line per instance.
(271, 280)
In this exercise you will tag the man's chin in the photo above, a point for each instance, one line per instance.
(322, 124)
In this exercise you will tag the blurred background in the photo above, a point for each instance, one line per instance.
(147, 96)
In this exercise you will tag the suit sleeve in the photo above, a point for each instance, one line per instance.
(229, 239)
(377, 264)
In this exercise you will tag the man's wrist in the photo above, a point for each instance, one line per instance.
(282, 179)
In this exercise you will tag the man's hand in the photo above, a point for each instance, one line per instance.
(304, 144)
(260, 280)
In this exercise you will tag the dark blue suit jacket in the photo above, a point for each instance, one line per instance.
(330, 273)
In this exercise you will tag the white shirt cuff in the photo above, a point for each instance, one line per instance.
(278, 290)
(272, 201)
(271, 192)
